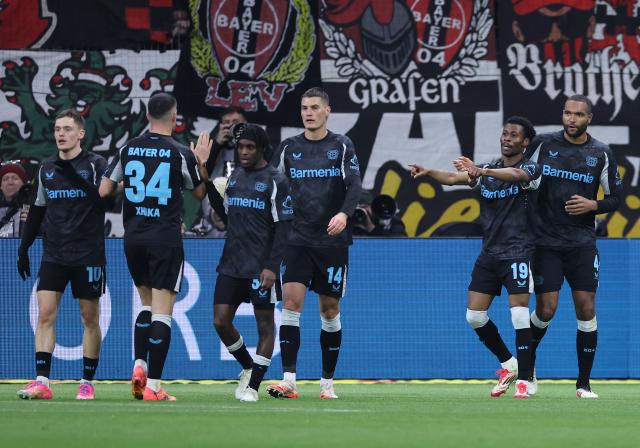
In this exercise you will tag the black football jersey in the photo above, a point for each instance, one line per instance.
(504, 212)
(254, 200)
(567, 170)
(324, 179)
(155, 169)
(73, 224)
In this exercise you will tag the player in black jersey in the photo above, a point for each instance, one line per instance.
(508, 243)
(258, 206)
(155, 168)
(66, 201)
(574, 166)
(324, 180)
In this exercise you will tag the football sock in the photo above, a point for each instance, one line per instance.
(89, 366)
(523, 352)
(522, 325)
(43, 364)
(330, 341)
(239, 351)
(586, 342)
(538, 330)
(490, 337)
(260, 366)
(141, 333)
(159, 340)
(289, 340)
(289, 346)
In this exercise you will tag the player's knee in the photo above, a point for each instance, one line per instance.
(546, 311)
(331, 324)
(47, 316)
(520, 317)
(588, 326)
(222, 323)
(477, 319)
(266, 329)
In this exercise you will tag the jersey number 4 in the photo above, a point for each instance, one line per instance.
(157, 187)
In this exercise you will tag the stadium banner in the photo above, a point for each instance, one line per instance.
(98, 24)
(453, 57)
(557, 48)
(260, 56)
(403, 317)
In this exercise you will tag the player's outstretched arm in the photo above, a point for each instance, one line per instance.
(507, 174)
(440, 176)
(202, 150)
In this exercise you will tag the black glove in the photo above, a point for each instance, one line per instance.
(23, 264)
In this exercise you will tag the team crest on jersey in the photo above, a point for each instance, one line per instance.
(261, 186)
(250, 53)
(592, 161)
(84, 174)
(332, 154)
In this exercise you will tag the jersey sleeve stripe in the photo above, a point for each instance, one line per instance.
(116, 174)
(536, 155)
(604, 176)
(344, 153)
(93, 170)
(274, 206)
(281, 163)
(41, 198)
(188, 183)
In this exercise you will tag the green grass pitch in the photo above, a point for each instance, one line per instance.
(403, 414)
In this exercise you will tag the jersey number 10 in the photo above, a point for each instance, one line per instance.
(157, 187)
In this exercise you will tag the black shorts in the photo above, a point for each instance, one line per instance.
(322, 269)
(87, 282)
(155, 266)
(233, 291)
(490, 275)
(580, 266)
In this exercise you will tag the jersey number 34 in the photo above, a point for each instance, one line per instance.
(157, 187)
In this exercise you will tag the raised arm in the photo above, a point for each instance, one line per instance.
(440, 176)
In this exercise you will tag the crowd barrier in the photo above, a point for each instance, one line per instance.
(403, 317)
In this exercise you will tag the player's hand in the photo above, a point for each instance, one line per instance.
(463, 163)
(267, 278)
(202, 148)
(67, 169)
(579, 205)
(418, 170)
(337, 224)
(474, 172)
(23, 264)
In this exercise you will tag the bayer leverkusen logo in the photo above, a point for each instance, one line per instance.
(416, 53)
(250, 52)
(246, 35)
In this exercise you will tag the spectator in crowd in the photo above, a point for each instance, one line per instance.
(14, 185)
